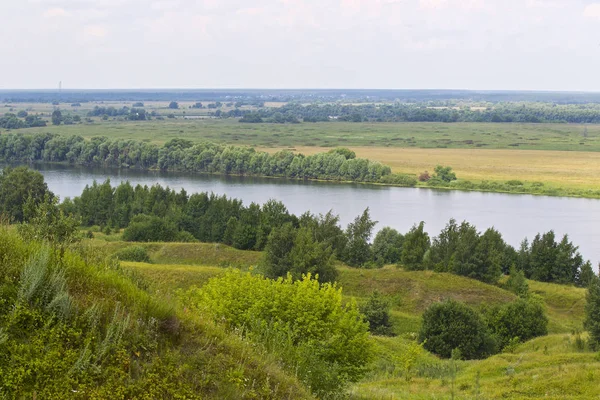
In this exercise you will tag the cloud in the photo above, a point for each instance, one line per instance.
(95, 31)
(592, 11)
(55, 12)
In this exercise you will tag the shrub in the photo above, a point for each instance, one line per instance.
(306, 318)
(145, 228)
(399, 180)
(377, 314)
(514, 182)
(134, 253)
(523, 319)
(517, 283)
(424, 176)
(451, 325)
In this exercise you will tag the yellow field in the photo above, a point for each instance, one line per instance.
(570, 169)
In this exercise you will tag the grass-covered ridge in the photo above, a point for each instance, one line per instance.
(553, 366)
(78, 326)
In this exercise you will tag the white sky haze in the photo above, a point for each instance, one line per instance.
(386, 44)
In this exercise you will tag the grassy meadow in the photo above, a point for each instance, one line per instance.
(557, 366)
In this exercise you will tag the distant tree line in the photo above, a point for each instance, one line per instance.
(183, 155)
(20, 120)
(132, 114)
(422, 112)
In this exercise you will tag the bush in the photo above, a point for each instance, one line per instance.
(399, 180)
(451, 325)
(145, 228)
(424, 176)
(377, 314)
(523, 319)
(134, 253)
(309, 322)
(517, 283)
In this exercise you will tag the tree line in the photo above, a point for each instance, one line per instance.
(518, 112)
(183, 155)
(308, 243)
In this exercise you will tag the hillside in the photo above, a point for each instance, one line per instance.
(79, 326)
(558, 366)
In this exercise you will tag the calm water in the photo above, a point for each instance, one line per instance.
(515, 216)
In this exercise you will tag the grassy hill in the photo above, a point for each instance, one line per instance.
(557, 366)
(79, 326)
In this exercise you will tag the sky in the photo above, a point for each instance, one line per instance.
(379, 44)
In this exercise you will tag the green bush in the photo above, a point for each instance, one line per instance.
(306, 318)
(134, 253)
(145, 228)
(523, 319)
(377, 313)
(399, 180)
(451, 325)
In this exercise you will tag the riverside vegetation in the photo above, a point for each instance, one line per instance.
(280, 332)
(339, 164)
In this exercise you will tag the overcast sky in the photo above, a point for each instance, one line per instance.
(395, 44)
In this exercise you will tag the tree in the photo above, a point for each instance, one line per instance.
(17, 186)
(445, 174)
(587, 275)
(310, 257)
(451, 325)
(416, 245)
(358, 249)
(295, 252)
(47, 222)
(173, 105)
(56, 117)
(387, 246)
(276, 258)
(377, 313)
(592, 313)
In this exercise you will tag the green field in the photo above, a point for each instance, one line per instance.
(551, 367)
(330, 134)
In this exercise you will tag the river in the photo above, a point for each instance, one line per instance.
(515, 216)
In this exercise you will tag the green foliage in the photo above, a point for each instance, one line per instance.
(549, 261)
(17, 186)
(148, 228)
(347, 153)
(134, 253)
(517, 283)
(310, 315)
(173, 105)
(200, 157)
(377, 313)
(592, 313)
(444, 174)
(56, 117)
(387, 246)
(451, 325)
(358, 249)
(295, 252)
(461, 250)
(414, 248)
(78, 327)
(522, 319)
(48, 222)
